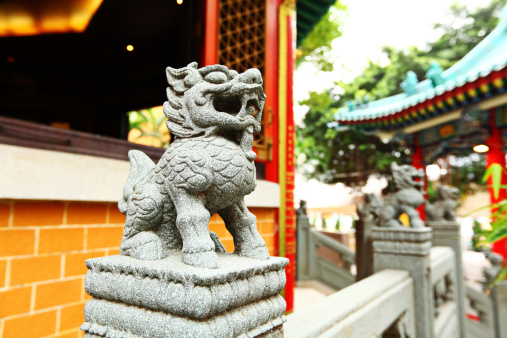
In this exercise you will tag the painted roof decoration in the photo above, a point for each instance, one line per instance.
(480, 74)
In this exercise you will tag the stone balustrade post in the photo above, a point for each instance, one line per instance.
(408, 249)
(448, 233)
(302, 243)
(364, 253)
(499, 297)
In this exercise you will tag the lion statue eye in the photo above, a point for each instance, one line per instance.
(216, 77)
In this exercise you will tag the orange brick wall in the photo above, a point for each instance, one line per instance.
(43, 246)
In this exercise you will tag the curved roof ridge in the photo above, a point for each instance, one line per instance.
(487, 56)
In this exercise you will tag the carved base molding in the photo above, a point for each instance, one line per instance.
(402, 241)
(166, 298)
(445, 229)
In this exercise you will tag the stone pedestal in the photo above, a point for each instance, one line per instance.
(167, 298)
(408, 249)
(499, 297)
(303, 251)
(448, 233)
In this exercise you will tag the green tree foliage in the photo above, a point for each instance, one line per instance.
(332, 156)
(499, 224)
(315, 49)
(459, 36)
(465, 31)
(151, 125)
(478, 237)
(378, 82)
(337, 225)
(350, 156)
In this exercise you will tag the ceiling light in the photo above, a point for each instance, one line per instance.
(130, 48)
(179, 2)
(22, 18)
(481, 148)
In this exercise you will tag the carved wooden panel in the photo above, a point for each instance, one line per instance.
(242, 45)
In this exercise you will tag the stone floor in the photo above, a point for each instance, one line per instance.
(309, 292)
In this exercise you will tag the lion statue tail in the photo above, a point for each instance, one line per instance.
(141, 169)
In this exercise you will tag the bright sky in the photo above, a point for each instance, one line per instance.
(370, 25)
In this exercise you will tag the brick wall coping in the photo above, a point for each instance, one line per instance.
(35, 174)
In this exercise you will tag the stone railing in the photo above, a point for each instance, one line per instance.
(499, 297)
(447, 234)
(380, 305)
(489, 307)
(412, 293)
(445, 295)
(337, 275)
(421, 265)
(322, 258)
(482, 304)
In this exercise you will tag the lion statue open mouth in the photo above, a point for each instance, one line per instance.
(209, 167)
(215, 100)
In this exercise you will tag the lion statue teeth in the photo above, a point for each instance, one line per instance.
(212, 114)
(443, 208)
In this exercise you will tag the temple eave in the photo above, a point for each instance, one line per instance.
(482, 89)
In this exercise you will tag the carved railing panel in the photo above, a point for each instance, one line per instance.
(314, 250)
(482, 305)
(443, 281)
(381, 305)
(335, 275)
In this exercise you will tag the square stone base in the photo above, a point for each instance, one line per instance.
(167, 298)
(109, 319)
(401, 241)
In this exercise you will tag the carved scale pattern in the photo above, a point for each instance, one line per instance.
(242, 44)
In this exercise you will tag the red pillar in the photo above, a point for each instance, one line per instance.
(417, 162)
(496, 155)
(290, 221)
(271, 105)
(210, 52)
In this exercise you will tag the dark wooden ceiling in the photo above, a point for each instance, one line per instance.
(89, 79)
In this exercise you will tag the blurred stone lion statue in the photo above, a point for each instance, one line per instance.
(408, 195)
(443, 208)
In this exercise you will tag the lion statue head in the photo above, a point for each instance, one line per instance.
(443, 208)
(406, 177)
(202, 101)
(447, 193)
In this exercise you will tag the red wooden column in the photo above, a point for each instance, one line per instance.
(496, 155)
(271, 105)
(286, 140)
(210, 53)
(417, 162)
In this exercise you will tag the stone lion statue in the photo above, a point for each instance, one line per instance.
(408, 195)
(369, 213)
(443, 208)
(491, 272)
(212, 115)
